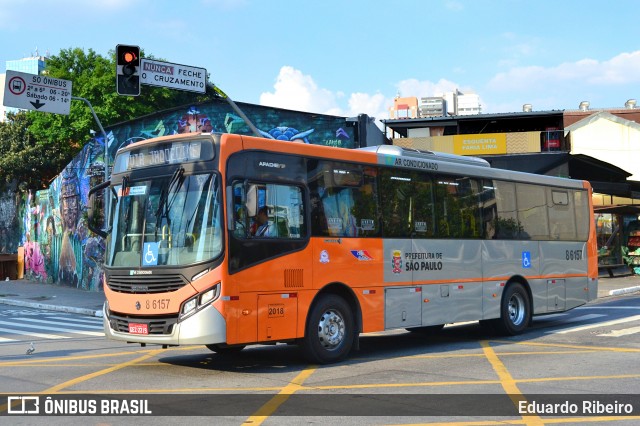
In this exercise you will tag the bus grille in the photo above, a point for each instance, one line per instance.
(157, 325)
(141, 284)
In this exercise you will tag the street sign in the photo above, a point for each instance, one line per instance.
(173, 76)
(37, 92)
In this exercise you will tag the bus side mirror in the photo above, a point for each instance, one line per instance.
(231, 223)
(252, 201)
(96, 213)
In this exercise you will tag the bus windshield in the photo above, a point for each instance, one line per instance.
(166, 222)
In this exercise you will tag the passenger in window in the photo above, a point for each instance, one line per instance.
(265, 226)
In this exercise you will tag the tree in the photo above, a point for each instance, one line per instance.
(49, 141)
(22, 158)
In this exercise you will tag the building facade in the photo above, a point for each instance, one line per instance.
(453, 103)
(601, 146)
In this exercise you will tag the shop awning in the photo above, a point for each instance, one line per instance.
(619, 209)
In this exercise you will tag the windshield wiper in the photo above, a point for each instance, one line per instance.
(163, 205)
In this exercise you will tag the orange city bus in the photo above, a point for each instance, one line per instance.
(226, 240)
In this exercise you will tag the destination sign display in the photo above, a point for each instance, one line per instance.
(163, 154)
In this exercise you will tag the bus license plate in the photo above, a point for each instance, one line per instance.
(135, 328)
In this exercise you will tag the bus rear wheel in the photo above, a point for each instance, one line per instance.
(330, 330)
(515, 311)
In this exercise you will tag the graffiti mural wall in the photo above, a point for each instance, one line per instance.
(51, 224)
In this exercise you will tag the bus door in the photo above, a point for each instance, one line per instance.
(267, 232)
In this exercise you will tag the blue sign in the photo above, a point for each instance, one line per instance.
(526, 259)
(150, 256)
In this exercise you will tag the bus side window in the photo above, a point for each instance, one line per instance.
(561, 215)
(269, 211)
(506, 225)
(489, 210)
(396, 190)
(343, 199)
(532, 212)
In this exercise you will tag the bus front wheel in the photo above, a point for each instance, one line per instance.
(330, 330)
(515, 310)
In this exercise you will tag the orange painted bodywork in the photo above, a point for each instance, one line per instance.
(592, 245)
(270, 302)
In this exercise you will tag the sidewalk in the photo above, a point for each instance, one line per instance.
(51, 297)
(65, 299)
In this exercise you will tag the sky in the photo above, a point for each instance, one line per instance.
(347, 57)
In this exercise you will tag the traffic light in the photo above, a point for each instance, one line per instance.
(127, 70)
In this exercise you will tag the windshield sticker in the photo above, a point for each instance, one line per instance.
(421, 226)
(137, 190)
(367, 225)
(150, 257)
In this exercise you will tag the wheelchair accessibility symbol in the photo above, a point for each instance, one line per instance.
(150, 256)
(526, 259)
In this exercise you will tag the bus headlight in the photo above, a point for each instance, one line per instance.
(199, 301)
(189, 306)
(209, 295)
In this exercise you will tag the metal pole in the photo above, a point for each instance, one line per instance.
(238, 111)
(106, 155)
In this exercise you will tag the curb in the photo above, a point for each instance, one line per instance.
(68, 309)
(627, 290)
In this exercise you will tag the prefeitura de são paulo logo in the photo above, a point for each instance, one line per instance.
(396, 262)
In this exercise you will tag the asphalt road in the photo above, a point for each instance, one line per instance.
(463, 375)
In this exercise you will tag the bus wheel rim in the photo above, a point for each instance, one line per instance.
(516, 309)
(331, 329)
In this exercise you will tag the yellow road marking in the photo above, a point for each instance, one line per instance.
(507, 381)
(560, 345)
(567, 352)
(95, 374)
(272, 405)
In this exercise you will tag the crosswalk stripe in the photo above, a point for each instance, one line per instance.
(58, 329)
(596, 325)
(550, 316)
(95, 321)
(623, 332)
(580, 318)
(92, 327)
(29, 333)
(607, 307)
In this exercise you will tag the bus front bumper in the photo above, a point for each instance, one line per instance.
(206, 326)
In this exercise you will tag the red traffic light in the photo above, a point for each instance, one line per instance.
(129, 56)
(127, 73)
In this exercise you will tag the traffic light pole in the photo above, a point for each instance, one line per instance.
(104, 135)
(106, 153)
(237, 109)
